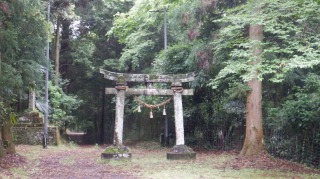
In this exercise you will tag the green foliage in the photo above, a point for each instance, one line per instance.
(136, 19)
(13, 118)
(84, 49)
(142, 33)
(63, 9)
(295, 124)
(134, 57)
(6, 116)
(23, 35)
(173, 61)
(62, 105)
(291, 40)
(301, 109)
(237, 90)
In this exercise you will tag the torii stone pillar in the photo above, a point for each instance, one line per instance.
(118, 151)
(118, 131)
(180, 150)
(178, 113)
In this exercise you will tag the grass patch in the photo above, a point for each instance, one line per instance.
(150, 161)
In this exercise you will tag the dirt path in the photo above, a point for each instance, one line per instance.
(70, 162)
(74, 164)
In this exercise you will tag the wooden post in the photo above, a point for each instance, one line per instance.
(118, 131)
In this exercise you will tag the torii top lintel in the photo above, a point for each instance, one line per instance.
(148, 78)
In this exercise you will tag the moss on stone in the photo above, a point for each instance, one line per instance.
(122, 79)
(116, 150)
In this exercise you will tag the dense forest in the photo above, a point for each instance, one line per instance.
(257, 63)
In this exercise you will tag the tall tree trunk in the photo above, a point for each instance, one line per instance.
(57, 55)
(3, 151)
(7, 137)
(254, 144)
(66, 59)
(7, 134)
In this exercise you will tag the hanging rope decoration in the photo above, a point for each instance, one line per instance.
(152, 106)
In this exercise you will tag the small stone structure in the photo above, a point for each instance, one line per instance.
(29, 130)
(180, 151)
(79, 137)
(114, 152)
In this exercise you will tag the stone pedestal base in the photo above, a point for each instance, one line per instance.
(115, 152)
(181, 152)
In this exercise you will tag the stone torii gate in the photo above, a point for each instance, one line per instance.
(180, 150)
